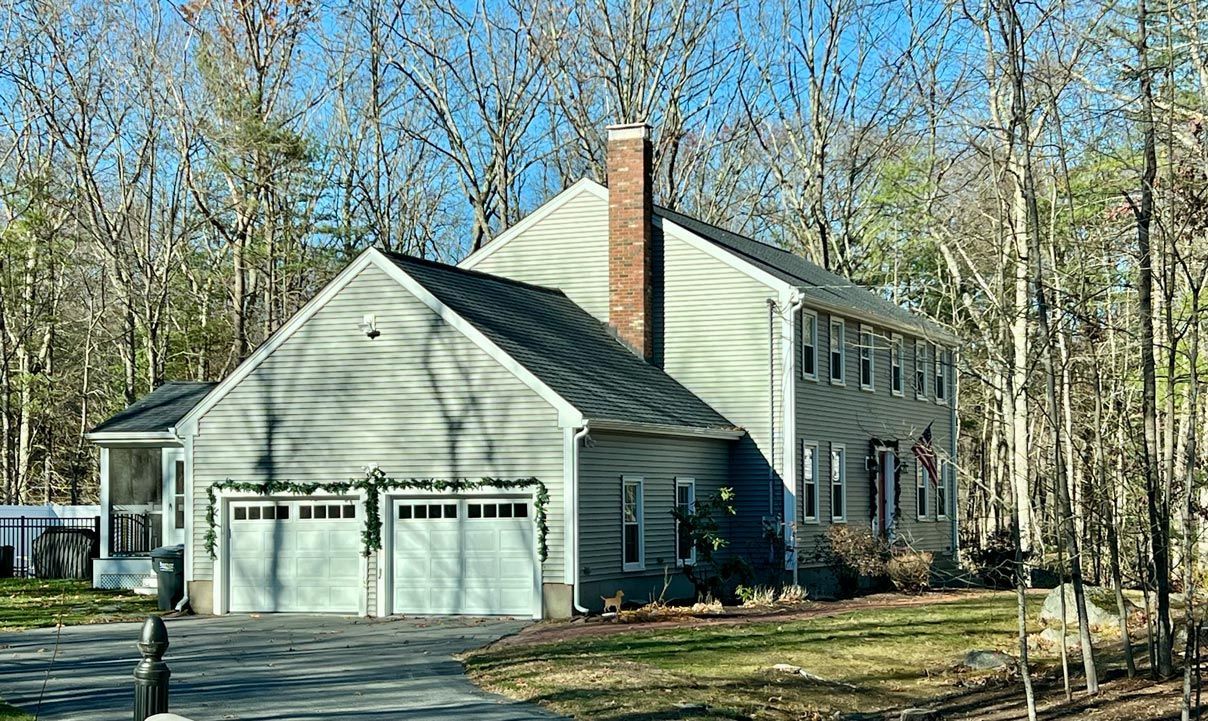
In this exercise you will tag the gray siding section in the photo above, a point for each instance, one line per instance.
(567, 249)
(850, 415)
(717, 345)
(420, 401)
(659, 461)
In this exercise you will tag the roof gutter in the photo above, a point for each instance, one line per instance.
(727, 434)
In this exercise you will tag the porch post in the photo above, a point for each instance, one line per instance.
(106, 516)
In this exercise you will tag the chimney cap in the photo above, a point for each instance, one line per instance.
(627, 131)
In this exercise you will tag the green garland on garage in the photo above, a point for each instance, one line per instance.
(374, 484)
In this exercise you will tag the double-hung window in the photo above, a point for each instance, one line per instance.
(838, 474)
(837, 353)
(809, 344)
(867, 358)
(941, 374)
(941, 491)
(920, 369)
(920, 490)
(895, 365)
(632, 524)
(809, 482)
(685, 501)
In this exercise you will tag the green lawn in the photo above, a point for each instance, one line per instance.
(11, 713)
(866, 659)
(31, 603)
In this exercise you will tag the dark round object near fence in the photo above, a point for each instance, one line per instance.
(65, 553)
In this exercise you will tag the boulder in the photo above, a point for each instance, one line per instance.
(986, 660)
(1100, 607)
(1051, 638)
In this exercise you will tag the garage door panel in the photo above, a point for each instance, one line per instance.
(476, 558)
(283, 561)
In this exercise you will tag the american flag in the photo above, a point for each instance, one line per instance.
(925, 452)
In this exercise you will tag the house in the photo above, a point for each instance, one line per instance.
(509, 436)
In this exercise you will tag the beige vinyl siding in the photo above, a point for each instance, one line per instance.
(852, 416)
(567, 249)
(717, 345)
(659, 460)
(421, 401)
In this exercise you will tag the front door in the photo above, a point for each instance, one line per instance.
(173, 531)
(886, 492)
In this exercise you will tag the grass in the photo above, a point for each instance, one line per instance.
(864, 660)
(33, 603)
(12, 713)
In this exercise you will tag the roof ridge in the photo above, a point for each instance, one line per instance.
(436, 264)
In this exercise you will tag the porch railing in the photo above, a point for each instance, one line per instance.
(19, 534)
(133, 534)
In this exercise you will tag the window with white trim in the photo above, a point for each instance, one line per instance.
(837, 353)
(895, 365)
(867, 359)
(809, 344)
(920, 490)
(809, 482)
(941, 491)
(632, 551)
(941, 374)
(685, 501)
(920, 369)
(838, 473)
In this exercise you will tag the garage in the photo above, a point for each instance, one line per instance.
(468, 555)
(316, 564)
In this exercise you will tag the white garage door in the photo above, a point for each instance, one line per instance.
(295, 555)
(463, 556)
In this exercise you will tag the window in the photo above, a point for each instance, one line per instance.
(920, 490)
(866, 358)
(838, 473)
(895, 365)
(685, 500)
(920, 369)
(809, 482)
(941, 374)
(809, 344)
(836, 352)
(941, 491)
(178, 496)
(631, 521)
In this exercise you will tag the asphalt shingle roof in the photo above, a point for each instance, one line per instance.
(565, 347)
(159, 410)
(817, 283)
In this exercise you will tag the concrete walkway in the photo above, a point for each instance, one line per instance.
(277, 666)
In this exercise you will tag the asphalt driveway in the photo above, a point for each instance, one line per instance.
(276, 666)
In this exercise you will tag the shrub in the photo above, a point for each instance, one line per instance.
(994, 560)
(852, 554)
(700, 527)
(756, 596)
(910, 570)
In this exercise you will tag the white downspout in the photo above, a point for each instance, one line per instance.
(574, 534)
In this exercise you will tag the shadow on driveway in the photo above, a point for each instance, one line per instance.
(278, 666)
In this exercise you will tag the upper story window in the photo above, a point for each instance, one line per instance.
(838, 473)
(941, 374)
(920, 369)
(809, 344)
(895, 365)
(867, 359)
(632, 523)
(838, 355)
(809, 482)
(685, 501)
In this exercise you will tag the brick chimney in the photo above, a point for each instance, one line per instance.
(631, 255)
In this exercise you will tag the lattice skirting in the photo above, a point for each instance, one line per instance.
(113, 581)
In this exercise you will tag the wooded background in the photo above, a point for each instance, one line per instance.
(175, 181)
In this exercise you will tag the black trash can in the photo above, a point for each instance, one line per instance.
(168, 565)
(7, 561)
